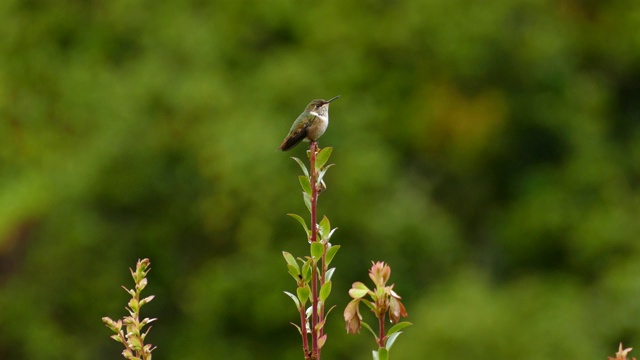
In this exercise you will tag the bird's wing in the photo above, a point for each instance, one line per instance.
(295, 137)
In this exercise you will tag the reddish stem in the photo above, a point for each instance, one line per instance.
(313, 148)
(303, 329)
(322, 282)
(315, 353)
(381, 338)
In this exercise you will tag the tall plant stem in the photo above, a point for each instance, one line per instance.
(315, 353)
(313, 149)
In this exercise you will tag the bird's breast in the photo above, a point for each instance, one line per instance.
(318, 127)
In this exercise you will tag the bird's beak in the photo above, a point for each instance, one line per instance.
(330, 100)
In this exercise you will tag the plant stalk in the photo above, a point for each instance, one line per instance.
(303, 329)
(381, 338)
(315, 352)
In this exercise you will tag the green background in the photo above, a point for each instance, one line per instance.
(489, 151)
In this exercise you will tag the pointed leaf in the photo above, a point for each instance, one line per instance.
(357, 293)
(375, 355)
(391, 339)
(289, 258)
(294, 298)
(322, 157)
(297, 327)
(322, 172)
(317, 249)
(324, 227)
(306, 270)
(294, 271)
(328, 312)
(302, 166)
(397, 327)
(383, 354)
(321, 341)
(147, 300)
(331, 233)
(331, 252)
(116, 338)
(303, 294)
(302, 222)
(307, 200)
(325, 290)
(329, 274)
(306, 185)
(358, 290)
(366, 326)
(369, 304)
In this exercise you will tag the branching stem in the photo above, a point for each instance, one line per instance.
(315, 336)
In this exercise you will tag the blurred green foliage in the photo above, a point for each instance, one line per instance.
(488, 151)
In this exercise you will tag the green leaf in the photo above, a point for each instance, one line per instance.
(375, 355)
(331, 252)
(329, 274)
(135, 343)
(297, 327)
(133, 305)
(366, 326)
(369, 304)
(322, 157)
(325, 290)
(303, 294)
(307, 200)
(306, 271)
(306, 185)
(328, 312)
(379, 293)
(397, 327)
(290, 259)
(383, 354)
(322, 172)
(302, 222)
(294, 298)
(317, 249)
(358, 290)
(302, 166)
(391, 339)
(294, 271)
(324, 227)
(357, 293)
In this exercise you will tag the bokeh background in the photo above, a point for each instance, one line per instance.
(488, 151)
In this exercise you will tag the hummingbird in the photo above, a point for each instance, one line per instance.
(309, 125)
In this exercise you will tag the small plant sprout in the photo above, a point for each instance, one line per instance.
(383, 300)
(622, 354)
(133, 337)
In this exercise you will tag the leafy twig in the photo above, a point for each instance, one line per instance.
(383, 300)
(312, 273)
(133, 338)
